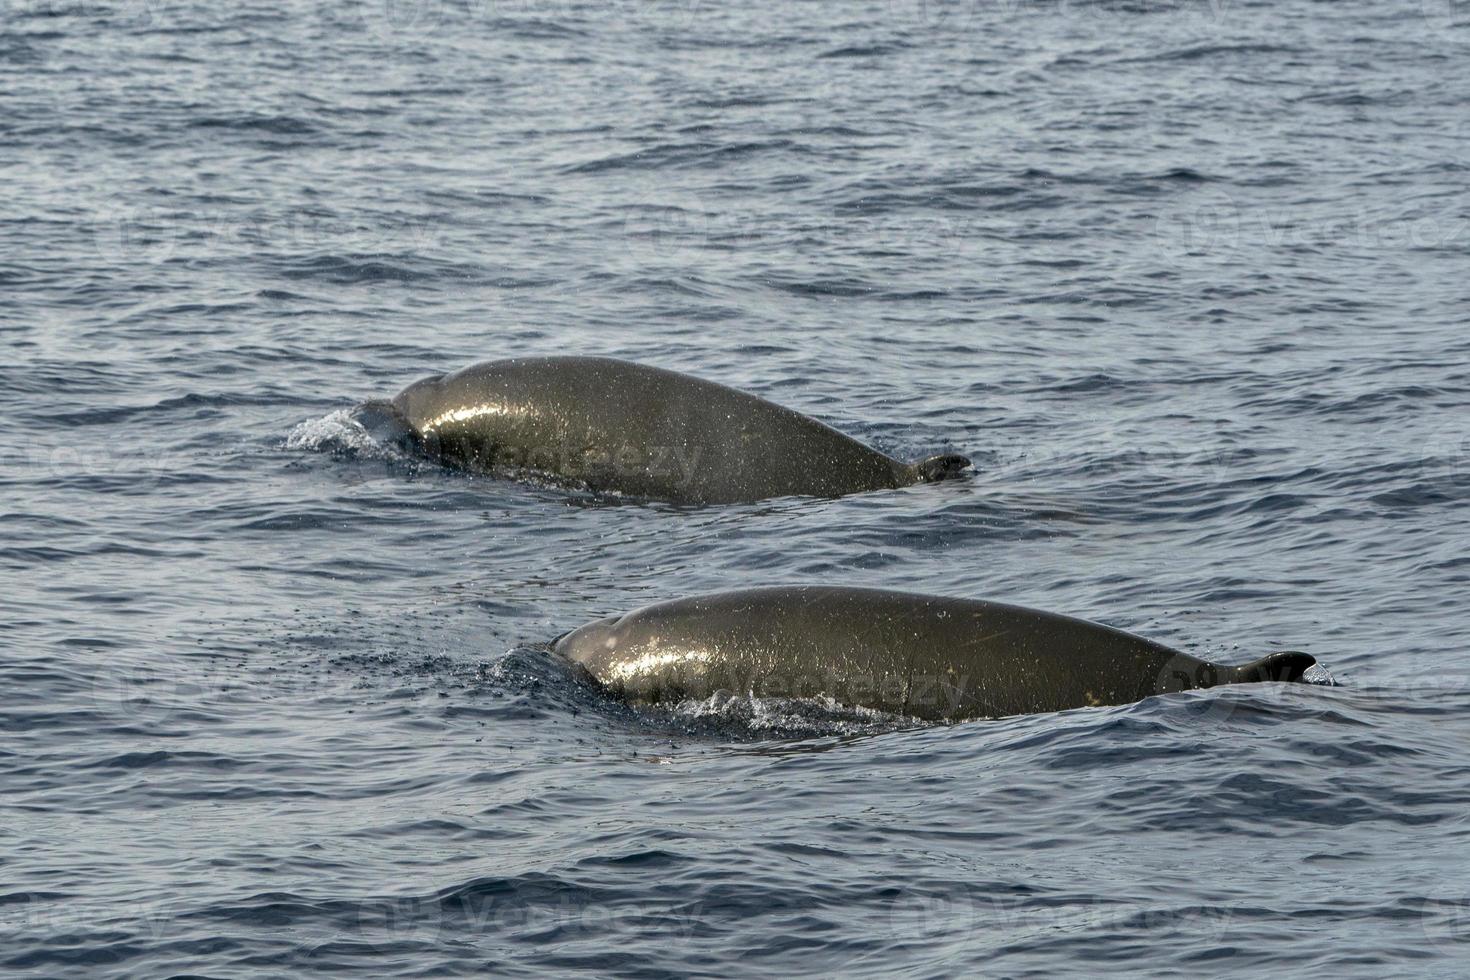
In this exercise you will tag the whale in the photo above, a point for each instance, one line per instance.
(609, 425)
(927, 657)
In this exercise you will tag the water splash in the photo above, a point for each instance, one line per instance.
(339, 433)
(1320, 675)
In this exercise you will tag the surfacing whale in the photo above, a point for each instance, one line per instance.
(611, 425)
(921, 656)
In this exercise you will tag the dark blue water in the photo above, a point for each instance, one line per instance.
(1188, 280)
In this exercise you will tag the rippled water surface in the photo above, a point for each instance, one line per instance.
(1187, 280)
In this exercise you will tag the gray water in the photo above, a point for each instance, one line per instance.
(1187, 281)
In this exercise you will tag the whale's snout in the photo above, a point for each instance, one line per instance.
(387, 425)
(584, 641)
(945, 466)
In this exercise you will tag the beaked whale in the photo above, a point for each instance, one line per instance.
(612, 425)
(917, 655)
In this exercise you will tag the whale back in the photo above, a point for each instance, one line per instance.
(923, 656)
(608, 424)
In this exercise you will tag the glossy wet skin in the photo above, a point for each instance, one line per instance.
(615, 425)
(924, 656)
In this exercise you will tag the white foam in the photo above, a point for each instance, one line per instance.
(338, 432)
(819, 715)
(1318, 674)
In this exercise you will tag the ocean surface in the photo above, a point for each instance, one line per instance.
(1190, 282)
